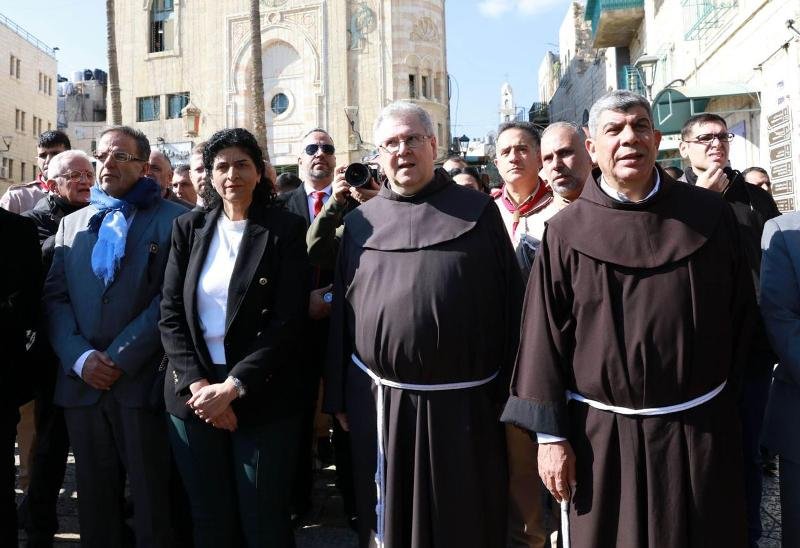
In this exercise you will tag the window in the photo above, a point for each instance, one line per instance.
(437, 87)
(162, 25)
(22, 167)
(148, 108)
(12, 65)
(40, 81)
(10, 174)
(175, 104)
(19, 65)
(17, 113)
(33, 129)
(412, 86)
(49, 86)
(49, 126)
(22, 120)
(279, 104)
(425, 91)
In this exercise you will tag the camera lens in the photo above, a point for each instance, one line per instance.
(357, 175)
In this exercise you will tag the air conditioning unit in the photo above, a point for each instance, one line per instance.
(3, 172)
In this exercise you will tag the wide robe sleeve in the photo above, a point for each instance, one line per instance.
(174, 325)
(540, 378)
(340, 345)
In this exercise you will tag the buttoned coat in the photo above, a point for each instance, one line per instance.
(780, 307)
(120, 319)
(267, 301)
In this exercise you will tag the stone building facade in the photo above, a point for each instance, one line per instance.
(738, 59)
(325, 64)
(27, 101)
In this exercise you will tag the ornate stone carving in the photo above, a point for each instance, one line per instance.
(239, 31)
(362, 22)
(425, 30)
(271, 4)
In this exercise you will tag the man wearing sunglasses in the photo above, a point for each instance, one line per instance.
(705, 143)
(316, 165)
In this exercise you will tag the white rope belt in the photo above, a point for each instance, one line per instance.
(646, 412)
(380, 471)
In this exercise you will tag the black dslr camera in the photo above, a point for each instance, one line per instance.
(358, 175)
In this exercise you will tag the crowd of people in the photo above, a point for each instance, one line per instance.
(584, 355)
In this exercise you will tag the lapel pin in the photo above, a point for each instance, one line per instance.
(262, 281)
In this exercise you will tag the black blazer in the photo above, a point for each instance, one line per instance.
(20, 294)
(267, 302)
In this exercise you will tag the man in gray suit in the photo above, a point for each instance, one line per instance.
(780, 306)
(102, 299)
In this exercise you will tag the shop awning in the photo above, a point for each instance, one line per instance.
(673, 106)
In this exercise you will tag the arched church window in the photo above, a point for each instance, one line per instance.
(162, 25)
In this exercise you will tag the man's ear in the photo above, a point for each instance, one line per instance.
(51, 185)
(590, 148)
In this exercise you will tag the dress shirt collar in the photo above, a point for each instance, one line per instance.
(614, 194)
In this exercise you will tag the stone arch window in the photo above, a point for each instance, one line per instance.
(162, 25)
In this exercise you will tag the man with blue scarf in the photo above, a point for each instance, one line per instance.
(102, 302)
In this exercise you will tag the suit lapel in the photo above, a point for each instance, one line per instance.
(299, 204)
(251, 251)
(197, 256)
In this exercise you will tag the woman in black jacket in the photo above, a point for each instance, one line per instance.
(234, 295)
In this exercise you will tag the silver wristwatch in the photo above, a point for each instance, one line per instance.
(239, 385)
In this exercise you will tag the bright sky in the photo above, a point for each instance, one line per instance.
(488, 42)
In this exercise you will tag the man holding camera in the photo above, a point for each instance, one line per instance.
(316, 168)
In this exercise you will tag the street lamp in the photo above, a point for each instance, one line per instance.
(191, 119)
(647, 67)
(463, 145)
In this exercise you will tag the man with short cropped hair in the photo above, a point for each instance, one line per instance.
(23, 197)
(565, 162)
(182, 184)
(159, 168)
(102, 299)
(759, 177)
(705, 143)
(635, 326)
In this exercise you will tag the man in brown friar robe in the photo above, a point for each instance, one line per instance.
(426, 300)
(630, 350)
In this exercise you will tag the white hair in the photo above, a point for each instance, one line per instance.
(56, 165)
(619, 100)
(401, 109)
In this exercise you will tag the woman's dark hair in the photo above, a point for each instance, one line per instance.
(245, 141)
(469, 170)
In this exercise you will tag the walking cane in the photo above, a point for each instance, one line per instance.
(565, 523)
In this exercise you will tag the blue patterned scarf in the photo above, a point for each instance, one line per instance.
(111, 224)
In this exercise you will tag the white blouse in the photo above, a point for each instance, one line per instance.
(212, 289)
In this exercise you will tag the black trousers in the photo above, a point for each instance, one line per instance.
(111, 442)
(49, 465)
(9, 416)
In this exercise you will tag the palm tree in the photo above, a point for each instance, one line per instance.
(113, 71)
(256, 78)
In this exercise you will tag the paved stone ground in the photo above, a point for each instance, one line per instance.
(326, 527)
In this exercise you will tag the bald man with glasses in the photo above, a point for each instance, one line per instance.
(705, 144)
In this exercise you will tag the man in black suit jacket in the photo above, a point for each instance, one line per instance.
(316, 168)
(20, 289)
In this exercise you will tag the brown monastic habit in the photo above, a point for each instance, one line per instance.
(641, 305)
(427, 291)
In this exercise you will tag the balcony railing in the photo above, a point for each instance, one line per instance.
(630, 78)
(27, 35)
(705, 16)
(614, 22)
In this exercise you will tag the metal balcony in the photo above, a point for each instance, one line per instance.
(630, 78)
(704, 17)
(614, 22)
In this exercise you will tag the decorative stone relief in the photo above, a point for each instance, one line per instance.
(269, 4)
(239, 30)
(362, 22)
(307, 20)
(425, 30)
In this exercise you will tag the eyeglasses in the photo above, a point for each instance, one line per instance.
(313, 148)
(707, 138)
(76, 176)
(118, 155)
(412, 141)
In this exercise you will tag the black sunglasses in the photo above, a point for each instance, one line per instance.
(313, 148)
